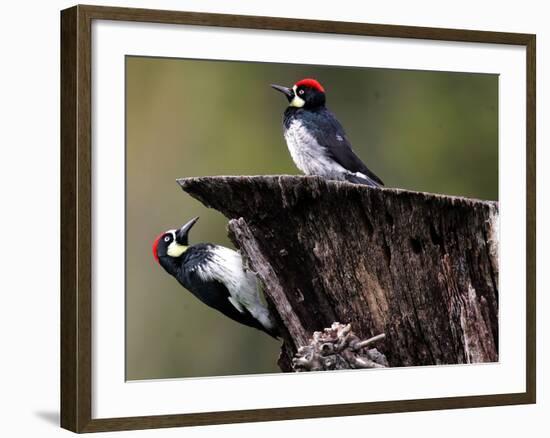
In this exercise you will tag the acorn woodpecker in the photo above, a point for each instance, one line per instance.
(316, 140)
(215, 275)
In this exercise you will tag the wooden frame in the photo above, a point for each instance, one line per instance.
(76, 303)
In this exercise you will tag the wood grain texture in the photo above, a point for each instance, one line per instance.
(531, 218)
(76, 221)
(421, 268)
(76, 269)
(69, 312)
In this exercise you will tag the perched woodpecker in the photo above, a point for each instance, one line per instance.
(215, 275)
(316, 140)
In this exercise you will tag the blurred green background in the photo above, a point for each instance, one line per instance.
(428, 131)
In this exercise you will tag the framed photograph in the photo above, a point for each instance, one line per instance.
(267, 219)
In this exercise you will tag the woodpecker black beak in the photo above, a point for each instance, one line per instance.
(288, 92)
(181, 234)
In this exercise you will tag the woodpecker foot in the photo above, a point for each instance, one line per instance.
(338, 348)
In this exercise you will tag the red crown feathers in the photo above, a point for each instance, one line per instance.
(311, 83)
(155, 247)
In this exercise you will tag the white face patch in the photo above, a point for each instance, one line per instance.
(175, 249)
(297, 102)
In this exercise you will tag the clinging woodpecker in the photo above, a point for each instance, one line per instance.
(215, 275)
(316, 140)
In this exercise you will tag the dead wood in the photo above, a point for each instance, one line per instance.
(421, 268)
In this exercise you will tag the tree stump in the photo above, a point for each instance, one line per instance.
(421, 268)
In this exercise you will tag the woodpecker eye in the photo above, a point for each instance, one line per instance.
(167, 239)
(300, 92)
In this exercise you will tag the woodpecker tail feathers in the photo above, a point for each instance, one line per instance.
(360, 178)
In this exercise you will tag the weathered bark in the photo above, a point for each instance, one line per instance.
(421, 268)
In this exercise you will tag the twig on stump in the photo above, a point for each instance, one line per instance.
(338, 348)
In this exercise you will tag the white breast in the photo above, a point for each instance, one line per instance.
(226, 266)
(308, 155)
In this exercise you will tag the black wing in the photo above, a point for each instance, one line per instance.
(214, 294)
(337, 145)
